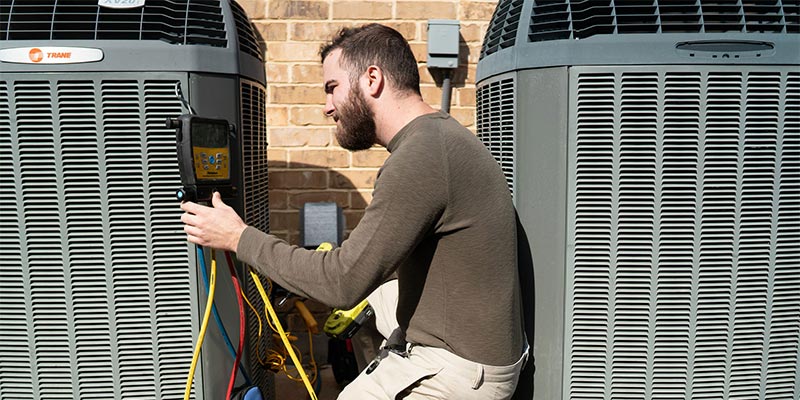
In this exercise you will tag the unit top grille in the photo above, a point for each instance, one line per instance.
(183, 22)
(579, 19)
(248, 40)
(503, 28)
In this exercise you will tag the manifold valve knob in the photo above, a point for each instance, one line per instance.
(173, 123)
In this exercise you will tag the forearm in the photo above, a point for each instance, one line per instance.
(324, 276)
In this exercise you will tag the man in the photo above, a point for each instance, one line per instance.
(441, 218)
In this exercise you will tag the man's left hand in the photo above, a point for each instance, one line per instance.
(218, 227)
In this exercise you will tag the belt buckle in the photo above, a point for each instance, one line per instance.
(400, 350)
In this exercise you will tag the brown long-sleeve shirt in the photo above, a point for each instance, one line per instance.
(441, 216)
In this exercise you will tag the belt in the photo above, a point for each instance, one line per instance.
(396, 343)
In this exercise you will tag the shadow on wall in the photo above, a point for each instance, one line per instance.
(291, 186)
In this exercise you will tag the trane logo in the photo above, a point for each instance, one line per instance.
(43, 55)
(120, 3)
(37, 55)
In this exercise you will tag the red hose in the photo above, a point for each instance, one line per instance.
(238, 289)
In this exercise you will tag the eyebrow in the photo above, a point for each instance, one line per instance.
(328, 84)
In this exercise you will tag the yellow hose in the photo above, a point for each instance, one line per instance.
(279, 328)
(212, 285)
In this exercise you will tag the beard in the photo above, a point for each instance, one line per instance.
(356, 129)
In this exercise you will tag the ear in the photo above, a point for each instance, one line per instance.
(374, 81)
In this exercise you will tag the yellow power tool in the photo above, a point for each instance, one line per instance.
(343, 324)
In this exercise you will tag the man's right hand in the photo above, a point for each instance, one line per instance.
(218, 227)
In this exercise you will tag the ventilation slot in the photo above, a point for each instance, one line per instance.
(721, 15)
(256, 199)
(92, 302)
(592, 17)
(636, 16)
(680, 16)
(248, 41)
(254, 134)
(763, 16)
(567, 19)
(15, 342)
(682, 271)
(495, 116)
(184, 22)
(550, 21)
(171, 280)
(791, 14)
(502, 31)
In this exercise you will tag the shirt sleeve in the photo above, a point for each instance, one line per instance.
(409, 198)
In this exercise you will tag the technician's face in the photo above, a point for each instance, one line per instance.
(345, 103)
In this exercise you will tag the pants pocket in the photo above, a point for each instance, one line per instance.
(393, 375)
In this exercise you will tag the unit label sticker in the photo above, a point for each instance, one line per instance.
(120, 3)
(50, 55)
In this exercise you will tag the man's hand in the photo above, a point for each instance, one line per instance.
(218, 227)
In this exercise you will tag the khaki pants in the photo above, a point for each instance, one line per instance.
(427, 372)
(433, 373)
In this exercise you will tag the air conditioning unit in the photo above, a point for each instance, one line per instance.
(100, 295)
(653, 151)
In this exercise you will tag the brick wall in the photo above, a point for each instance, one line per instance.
(306, 164)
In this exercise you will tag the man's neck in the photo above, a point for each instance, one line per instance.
(393, 117)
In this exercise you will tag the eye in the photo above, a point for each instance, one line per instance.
(329, 88)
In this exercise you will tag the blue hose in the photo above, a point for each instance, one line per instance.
(318, 383)
(202, 258)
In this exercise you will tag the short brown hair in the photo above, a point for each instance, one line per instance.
(375, 44)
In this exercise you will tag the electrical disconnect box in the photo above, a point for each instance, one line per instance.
(321, 222)
(443, 43)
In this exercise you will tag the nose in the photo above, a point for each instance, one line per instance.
(329, 108)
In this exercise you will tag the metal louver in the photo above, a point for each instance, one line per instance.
(567, 19)
(256, 204)
(254, 132)
(502, 30)
(184, 22)
(684, 277)
(495, 120)
(88, 212)
(248, 43)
